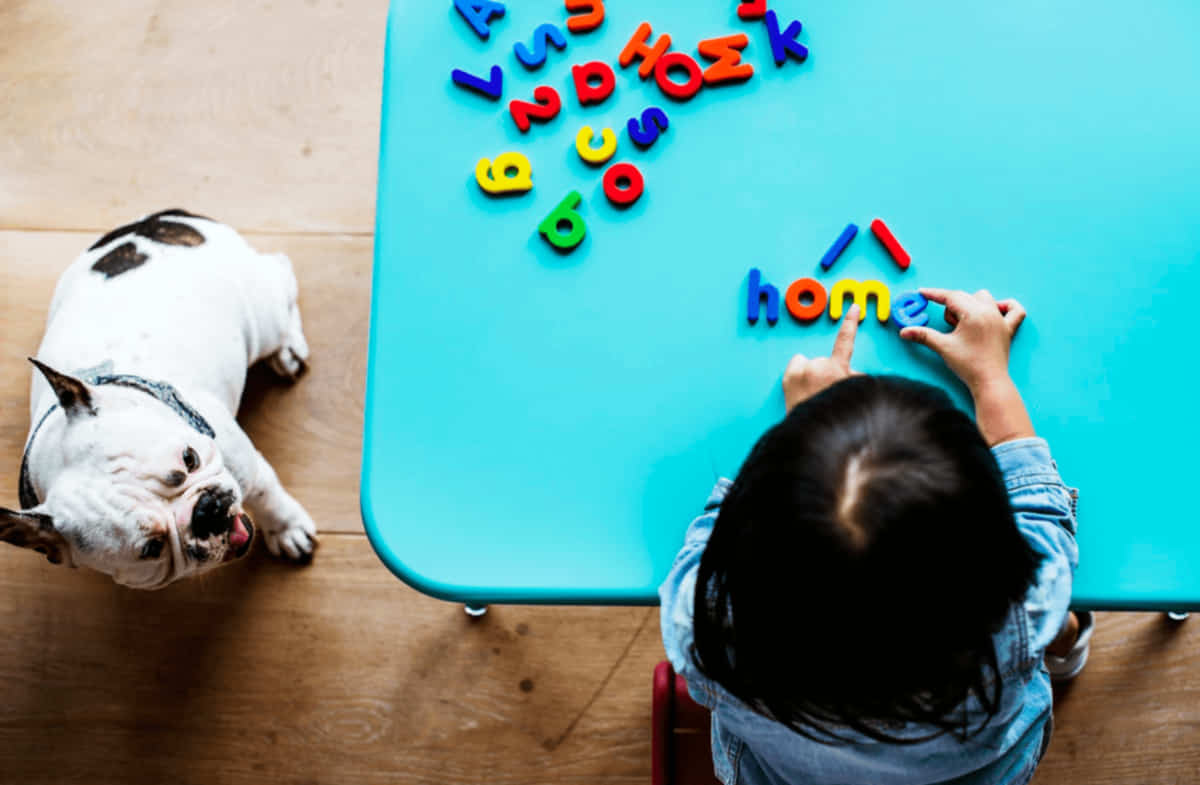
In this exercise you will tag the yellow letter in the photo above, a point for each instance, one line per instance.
(495, 179)
(861, 291)
(595, 156)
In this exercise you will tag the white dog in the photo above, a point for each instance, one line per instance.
(134, 464)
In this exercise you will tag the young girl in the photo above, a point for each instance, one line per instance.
(877, 597)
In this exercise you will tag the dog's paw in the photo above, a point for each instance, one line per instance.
(291, 360)
(294, 539)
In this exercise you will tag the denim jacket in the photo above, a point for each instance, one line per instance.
(749, 749)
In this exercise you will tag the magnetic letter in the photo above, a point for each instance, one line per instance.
(589, 21)
(494, 178)
(785, 43)
(794, 299)
(728, 56)
(752, 9)
(478, 14)
(861, 292)
(649, 54)
(545, 33)
(546, 108)
(909, 310)
(595, 155)
(838, 246)
(755, 291)
(654, 121)
(680, 92)
(564, 213)
(589, 94)
(627, 195)
(891, 243)
(491, 87)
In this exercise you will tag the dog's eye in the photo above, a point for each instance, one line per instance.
(191, 460)
(152, 549)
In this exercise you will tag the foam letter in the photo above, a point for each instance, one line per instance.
(495, 179)
(595, 155)
(654, 121)
(838, 246)
(623, 196)
(589, 21)
(861, 292)
(891, 243)
(545, 33)
(649, 54)
(728, 56)
(490, 87)
(785, 43)
(755, 291)
(909, 310)
(752, 9)
(546, 108)
(478, 14)
(565, 212)
(587, 93)
(795, 294)
(680, 92)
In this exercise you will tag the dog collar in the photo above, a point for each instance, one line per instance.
(162, 391)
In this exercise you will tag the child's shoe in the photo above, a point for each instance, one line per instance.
(1068, 667)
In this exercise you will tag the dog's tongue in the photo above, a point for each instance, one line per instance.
(240, 535)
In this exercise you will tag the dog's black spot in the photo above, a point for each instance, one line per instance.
(150, 227)
(122, 259)
(82, 543)
(196, 553)
(175, 479)
(526, 685)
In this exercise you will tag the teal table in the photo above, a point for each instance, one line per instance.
(542, 426)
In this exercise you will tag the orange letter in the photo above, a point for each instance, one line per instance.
(637, 48)
(727, 53)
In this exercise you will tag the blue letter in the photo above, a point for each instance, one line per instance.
(784, 44)
(537, 57)
(489, 87)
(654, 120)
(754, 294)
(909, 310)
(478, 13)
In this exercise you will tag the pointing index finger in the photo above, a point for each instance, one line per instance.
(843, 344)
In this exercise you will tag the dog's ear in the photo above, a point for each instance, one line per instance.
(73, 395)
(30, 529)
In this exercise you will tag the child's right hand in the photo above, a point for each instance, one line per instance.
(977, 348)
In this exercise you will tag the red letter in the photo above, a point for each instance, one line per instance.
(811, 287)
(587, 93)
(547, 106)
(590, 21)
(752, 9)
(680, 92)
(727, 53)
(626, 195)
(637, 48)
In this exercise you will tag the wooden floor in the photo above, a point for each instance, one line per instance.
(266, 114)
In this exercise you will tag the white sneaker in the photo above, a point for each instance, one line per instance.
(1068, 667)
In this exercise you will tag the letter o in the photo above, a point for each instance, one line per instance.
(809, 286)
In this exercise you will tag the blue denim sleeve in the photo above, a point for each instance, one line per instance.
(1044, 509)
(677, 592)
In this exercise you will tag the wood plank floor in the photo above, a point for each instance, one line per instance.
(266, 114)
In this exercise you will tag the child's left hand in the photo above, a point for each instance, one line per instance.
(804, 378)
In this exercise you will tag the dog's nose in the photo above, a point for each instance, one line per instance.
(211, 516)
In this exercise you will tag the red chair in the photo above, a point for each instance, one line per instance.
(680, 749)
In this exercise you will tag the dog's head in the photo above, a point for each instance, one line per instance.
(132, 488)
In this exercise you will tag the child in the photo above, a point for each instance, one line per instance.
(870, 601)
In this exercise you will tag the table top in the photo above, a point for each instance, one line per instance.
(542, 426)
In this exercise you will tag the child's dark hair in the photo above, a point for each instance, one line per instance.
(860, 564)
